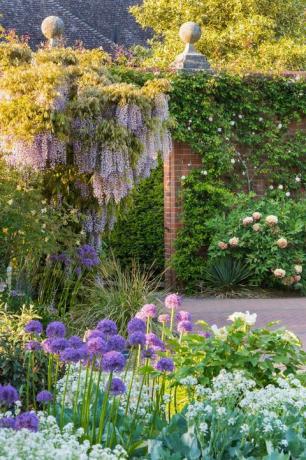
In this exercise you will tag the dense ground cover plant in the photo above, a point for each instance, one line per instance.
(268, 236)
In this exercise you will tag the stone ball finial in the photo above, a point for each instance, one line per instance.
(190, 32)
(52, 27)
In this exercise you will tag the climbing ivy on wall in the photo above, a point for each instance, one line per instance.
(241, 129)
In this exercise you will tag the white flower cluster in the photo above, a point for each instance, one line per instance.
(49, 444)
(247, 317)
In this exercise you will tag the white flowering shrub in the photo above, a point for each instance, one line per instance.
(50, 443)
(233, 419)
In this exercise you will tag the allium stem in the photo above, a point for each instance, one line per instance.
(93, 435)
(172, 319)
(104, 408)
(131, 384)
(28, 381)
(76, 397)
(64, 397)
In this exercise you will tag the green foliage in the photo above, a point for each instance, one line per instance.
(260, 244)
(13, 358)
(258, 352)
(115, 293)
(237, 35)
(139, 232)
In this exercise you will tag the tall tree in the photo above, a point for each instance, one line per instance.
(237, 35)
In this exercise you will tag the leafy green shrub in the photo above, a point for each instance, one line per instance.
(139, 232)
(269, 236)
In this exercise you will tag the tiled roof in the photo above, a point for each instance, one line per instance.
(94, 22)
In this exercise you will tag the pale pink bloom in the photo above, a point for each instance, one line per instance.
(256, 227)
(247, 221)
(279, 273)
(271, 220)
(282, 243)
(222, 245)
(234, 242)
(165, 318)
(256, 215)
(298, 269)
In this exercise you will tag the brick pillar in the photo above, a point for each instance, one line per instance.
(179, 163)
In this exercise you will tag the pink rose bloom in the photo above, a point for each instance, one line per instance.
(234, 242)
(256, 215)
(173, 301)
(247, 221)
(282, 243)
(297, 278)
(222, 245)
(279, 273)
(271, 220)
(256, 227)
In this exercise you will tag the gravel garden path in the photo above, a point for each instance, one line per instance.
(290, 311)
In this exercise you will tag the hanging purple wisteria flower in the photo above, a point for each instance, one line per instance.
(113, 361)
(116, 343)
(184, 326)
(149, 310)
(56, 329)
(44, 397)
(87, 256)
(137, 339)
(183, 316)
(97, 346)
(117, 387)
(27, 420)
(33, 345)
(165, 365)
(34, 327)
(136, 325)
(7, 422)
(8, 395)
(173, 301)
(107, 327)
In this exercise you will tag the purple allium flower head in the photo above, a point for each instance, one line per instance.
(27, 420)
(87, 256)
(56, 329)
(117, 387)
(137, 338)
(93, 333)
(57, 345)
(62, 258)
(183, 316)
(116, 343)
(141, 315)
(7, 422)
(165, 365)
(153, 341)
(136, 325)
(164, 318)
(184, 326)
(46, 345)
(44, 396)
(173, 301)
(71, 355)
(8, 395)
(33, 345)
(75, 342)
(34, 327)
(97, 345)
(149, 310)
(107, 327)
(148, 353)
(113, 361)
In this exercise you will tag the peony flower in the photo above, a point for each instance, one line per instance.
(219, 333)
(247, 221)
(282, 243)
(222, 245)
(298, 269)
(256, 215)
(297, 278)
(279, 273)
(256, 227)
(271, 220)
(234, 242)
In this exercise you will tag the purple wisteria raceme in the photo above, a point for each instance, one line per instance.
(117, 387)
(184, 326)
(44, 396)
(87, 256)
(164, 318)
(137, 339)
(107, 327)
(8, 395)
(97, 346)
(7, 422)
(33, 345)
(27, 420)
(183, 316)
(116, 343)
(165, 365)
(173, 301)
(113, 361)
(34, 327)
(56, 329)
(149, 310)
(136, 325)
